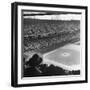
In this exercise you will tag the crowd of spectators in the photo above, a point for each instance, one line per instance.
(44, 29)
(44, 34)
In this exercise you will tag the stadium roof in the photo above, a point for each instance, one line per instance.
(53, 15)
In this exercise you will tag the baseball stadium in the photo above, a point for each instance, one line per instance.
(51, 43)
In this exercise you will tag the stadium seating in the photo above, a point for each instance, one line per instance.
(41, 34)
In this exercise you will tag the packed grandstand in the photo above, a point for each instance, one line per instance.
(41, 34)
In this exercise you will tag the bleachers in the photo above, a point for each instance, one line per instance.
(39, 35)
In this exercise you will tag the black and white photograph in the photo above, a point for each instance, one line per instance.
(50, 44)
